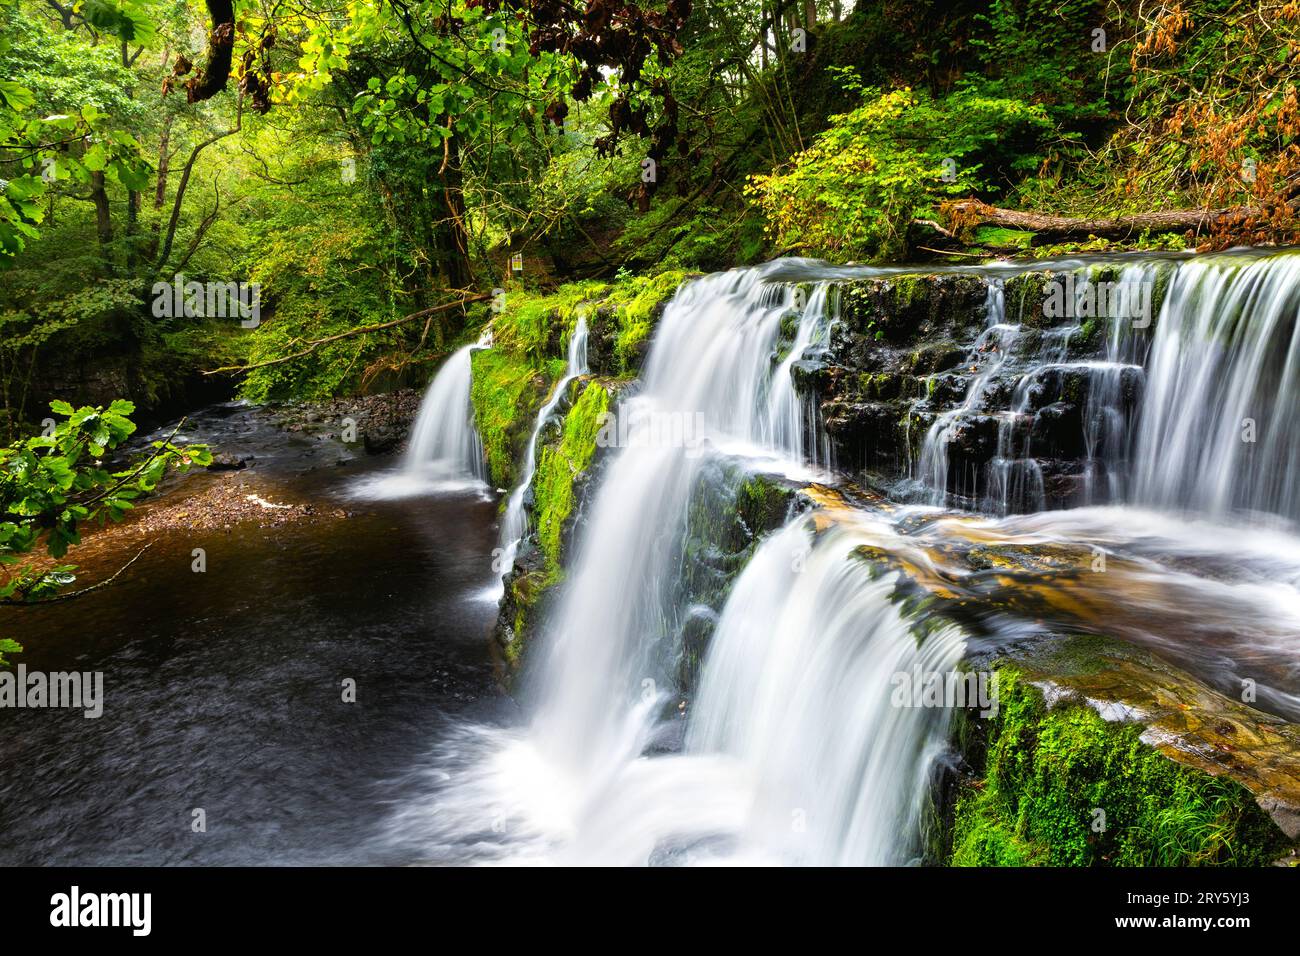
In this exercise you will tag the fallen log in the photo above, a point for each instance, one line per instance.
(969, 213)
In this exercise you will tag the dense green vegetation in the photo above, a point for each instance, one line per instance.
(364, 163)
(1061, 786)
(363, 179)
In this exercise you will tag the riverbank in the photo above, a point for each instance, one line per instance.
(287, 686)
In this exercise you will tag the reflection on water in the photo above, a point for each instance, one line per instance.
(224, 689)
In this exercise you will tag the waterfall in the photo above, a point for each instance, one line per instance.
(514, 523)
(606, 664)
(1218, 428)
(1018, 372)
(792, 748)
(987, 356)
(444, 453)
(444, 442)
(792, 419)
(798, 687)
(808, 640)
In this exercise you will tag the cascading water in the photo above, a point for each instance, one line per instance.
(1218, 430)
(710, 366)
(444, 442)
(571, 786)
(793, 750)
(514, 523)
(792, 417)
(799, 690)
(444, 452)
(1013, 366)
(987, 356)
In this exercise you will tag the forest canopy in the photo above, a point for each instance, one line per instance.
(374, 169)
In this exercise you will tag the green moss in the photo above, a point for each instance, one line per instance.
(997, 237)
(1024, 295)
(501, 384)
(1088, 332)
(636, 300)
(910, 289)
(526, 590)
(762, 504)
(560, 464)
(1048, 771)
(537, 326)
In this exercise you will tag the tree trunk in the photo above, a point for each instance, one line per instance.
(453, 239)
(160, 190)
(103, 219)
(132, 228)
(970, 212)
(212, 76)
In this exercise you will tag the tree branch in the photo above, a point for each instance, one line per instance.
(185, 179)
(76, 594)
(312, 346)
(972, 212)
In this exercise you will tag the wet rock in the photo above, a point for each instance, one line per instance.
(379, 423)
(228, 462)
(1181, 718)
(381, 439)
(1057, 431)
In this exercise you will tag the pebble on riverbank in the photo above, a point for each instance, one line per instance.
(382, 421)
(228, 501)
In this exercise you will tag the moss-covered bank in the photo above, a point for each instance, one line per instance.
(530, 338)
(559, 465)
(1062, 786)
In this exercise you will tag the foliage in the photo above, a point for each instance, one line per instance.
(55, 483)
(1049, 768)
(893, 159)
(76, 140)
(1217, 113)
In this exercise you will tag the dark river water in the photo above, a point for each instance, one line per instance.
(224, 690)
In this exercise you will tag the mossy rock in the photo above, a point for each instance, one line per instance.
(1063, 786)
(910, 308)
(505, 387)
(1182, 775)
(559, 465)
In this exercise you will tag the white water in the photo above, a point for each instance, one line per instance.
(514, 523)
(444, 441)
(987, 355)
(792, 420)
(444, 452)
(792, 751)
(798, 690)
(1006, 355)
(574, 784)
(795, 752)
(1219, 429)
(609, 649)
